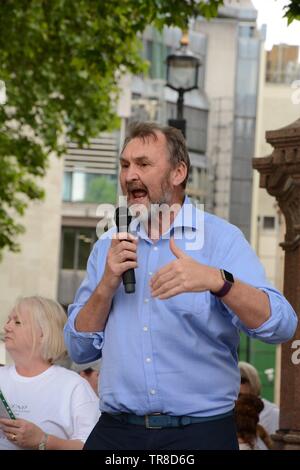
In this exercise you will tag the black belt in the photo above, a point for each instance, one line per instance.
(159, 421)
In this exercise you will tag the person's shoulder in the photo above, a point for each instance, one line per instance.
(70, 376)
(220, 227)
(102, 243)
(104, 239)
(72, 379)
(108, 234)
(269, 405)
(5, 370)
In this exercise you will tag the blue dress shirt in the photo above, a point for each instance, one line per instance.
(176, 356)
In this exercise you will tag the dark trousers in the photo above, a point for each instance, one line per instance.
(111, 434)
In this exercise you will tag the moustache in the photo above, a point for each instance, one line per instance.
(136, 187)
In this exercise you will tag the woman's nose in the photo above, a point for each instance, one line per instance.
(7, 326)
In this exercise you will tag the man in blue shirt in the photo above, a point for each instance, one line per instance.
(169, 375)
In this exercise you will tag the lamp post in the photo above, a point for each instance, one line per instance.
(182, 76)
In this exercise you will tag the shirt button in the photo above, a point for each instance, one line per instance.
(146, 301)
(155, 248)
(148, 359)
(150, 273)
(152, 391)
(145, 328)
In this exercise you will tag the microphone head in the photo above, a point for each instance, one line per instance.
(122, 218)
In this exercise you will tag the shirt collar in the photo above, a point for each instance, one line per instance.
(186, 218)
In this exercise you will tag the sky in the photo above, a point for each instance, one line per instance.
(270, 12)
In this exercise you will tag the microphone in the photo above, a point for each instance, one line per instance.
(123, 219)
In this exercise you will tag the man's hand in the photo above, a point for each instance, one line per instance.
(121, 257)
(21, 432)
(184, 275)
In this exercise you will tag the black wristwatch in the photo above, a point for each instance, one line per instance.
(228, 282)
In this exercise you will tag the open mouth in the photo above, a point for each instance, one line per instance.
(138, 194)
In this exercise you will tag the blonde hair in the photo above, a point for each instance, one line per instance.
(249, 373)
(50, 317)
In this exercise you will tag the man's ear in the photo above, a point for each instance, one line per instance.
(179, 174)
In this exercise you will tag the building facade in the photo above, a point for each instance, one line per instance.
(277, 107)
(221, 122)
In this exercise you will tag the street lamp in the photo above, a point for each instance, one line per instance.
(182, 76)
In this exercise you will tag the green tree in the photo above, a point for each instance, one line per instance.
(101, 190)
(60, 61)
(292, 11)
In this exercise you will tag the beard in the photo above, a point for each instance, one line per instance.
(147, 210)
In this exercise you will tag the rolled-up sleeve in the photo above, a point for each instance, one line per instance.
(281, 325)
(242, 261)
(82, 347)
(85, 346)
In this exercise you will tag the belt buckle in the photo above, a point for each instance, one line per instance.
(147, 425)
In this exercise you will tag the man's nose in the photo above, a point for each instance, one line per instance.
(132, 174)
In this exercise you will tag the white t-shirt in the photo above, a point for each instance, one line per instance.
(244, 446)
(59, 401)
(269, 419)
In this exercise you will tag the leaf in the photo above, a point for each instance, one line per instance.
(59, 60)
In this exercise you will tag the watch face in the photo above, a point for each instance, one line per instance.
(228, 276)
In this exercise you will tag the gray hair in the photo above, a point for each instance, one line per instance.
(176, 143)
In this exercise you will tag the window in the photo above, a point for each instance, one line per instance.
(89, 187)
(268, 223)
(247, 31)
(156, 52)
(196, 126)
(77, 243)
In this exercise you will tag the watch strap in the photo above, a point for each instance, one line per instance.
(225, 288)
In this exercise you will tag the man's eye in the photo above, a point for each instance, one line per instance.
(17, 322)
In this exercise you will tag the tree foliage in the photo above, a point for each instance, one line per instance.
(292, 11)
(100, 188)
(60, 60)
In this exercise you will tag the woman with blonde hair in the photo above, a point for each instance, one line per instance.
(54, 407)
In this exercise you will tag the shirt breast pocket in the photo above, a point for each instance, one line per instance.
(185, 302)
